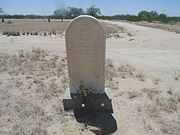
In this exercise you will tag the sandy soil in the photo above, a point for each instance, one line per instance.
(142, 70)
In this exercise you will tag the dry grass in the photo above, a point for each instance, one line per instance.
(133, 94)
(113, 31)
(124, 71)
(31, 89)
(177, 75)
(159, 111)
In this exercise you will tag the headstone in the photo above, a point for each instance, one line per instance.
(85, 48)
(49, 20)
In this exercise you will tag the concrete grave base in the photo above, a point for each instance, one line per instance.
(97, 102)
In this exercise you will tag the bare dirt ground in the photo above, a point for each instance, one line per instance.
(142, 70)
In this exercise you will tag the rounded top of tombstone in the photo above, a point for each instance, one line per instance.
(85, 47)
(85, 17)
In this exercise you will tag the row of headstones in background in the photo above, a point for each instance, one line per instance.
(85, 48)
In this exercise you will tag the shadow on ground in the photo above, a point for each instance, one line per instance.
(104, 121)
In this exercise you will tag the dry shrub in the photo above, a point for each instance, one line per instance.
(126, 70)
(113, 30)
(133, 94)
(11, 33)
(129, 34)
(169, 127)
(152, 111)
(167, 104)
(140, 76)
(110, 70)
(151, 93)
(157, 81)
(177, 75)
(111, 75)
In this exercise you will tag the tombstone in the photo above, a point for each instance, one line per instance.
(2, 20)
(85, 48)
(49, 20)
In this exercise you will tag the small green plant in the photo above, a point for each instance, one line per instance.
(85, 95)
(83, 89)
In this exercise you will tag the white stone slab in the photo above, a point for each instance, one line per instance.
(85, 47)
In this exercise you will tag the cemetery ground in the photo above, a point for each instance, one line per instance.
(142, 70)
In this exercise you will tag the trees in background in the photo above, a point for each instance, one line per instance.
(72, 12)
(93, 11)
(163, 18)
(60, 13)
(153, 16)
(2, 12)
(145, 15)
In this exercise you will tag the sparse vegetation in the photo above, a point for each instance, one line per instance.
(27, 63)
(157, 81)
(131, 39)
(177, 76)
(123, 71)
(133, 94)
(129, 34)
(141, 76)
(7, 33)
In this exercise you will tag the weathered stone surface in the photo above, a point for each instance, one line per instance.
(85, 46)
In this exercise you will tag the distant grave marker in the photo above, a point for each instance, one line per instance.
(2, 20)
(85, 48)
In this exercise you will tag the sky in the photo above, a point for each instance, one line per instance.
(108, 7)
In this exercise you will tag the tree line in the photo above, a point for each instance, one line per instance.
(72, 12)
